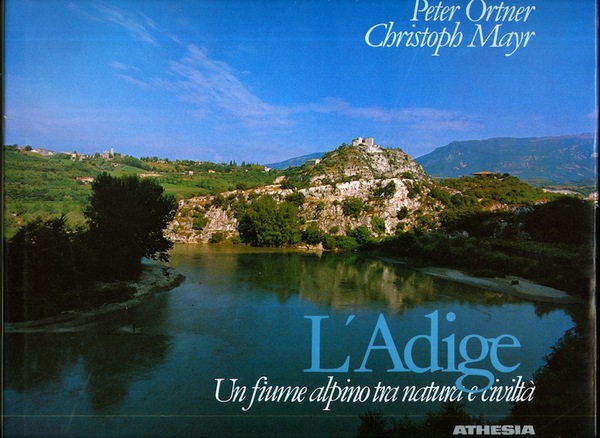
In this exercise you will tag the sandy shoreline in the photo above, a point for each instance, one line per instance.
(153, 278)
(516, 286)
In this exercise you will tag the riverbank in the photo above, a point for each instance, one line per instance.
(512, 285)
(154, 278)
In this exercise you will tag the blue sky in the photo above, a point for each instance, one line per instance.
(263, 81)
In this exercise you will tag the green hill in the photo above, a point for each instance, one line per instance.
(48, 186)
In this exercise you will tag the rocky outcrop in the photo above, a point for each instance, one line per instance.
(380, 183)
(368, 162)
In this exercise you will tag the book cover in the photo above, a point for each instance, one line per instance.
(299, 218)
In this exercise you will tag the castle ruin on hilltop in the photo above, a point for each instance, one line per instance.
(368, 144)
(366, 141)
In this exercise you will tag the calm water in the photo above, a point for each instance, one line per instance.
(240, 314)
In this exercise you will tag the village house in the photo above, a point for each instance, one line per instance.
(42, 151)
(485, 173)
(85, 179)
(78, 157)
(108, 155)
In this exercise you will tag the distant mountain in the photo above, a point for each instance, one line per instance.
(297, 161)
(556, 159)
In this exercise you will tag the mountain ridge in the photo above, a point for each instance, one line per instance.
(557, 159)
(295, 161)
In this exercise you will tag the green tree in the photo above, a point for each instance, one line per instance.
(386, 191)
(564, 402)
(567, 220)
(199, 221)
(361, 234)
(216, 237)
(134, 162)
(378, 225)
(43, 261)
(441, 194)
(402, 213)
(297, 198)
(126, 219)
(312, 235)
(352, 206)
(267, 223)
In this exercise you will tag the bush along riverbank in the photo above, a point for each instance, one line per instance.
(103, 298)
(551, 244)
(50, 269)
(562, 267)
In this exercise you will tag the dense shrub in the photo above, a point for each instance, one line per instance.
(378, 225)
(345, 243)
(216, 237)
(414, 190)
(567, 220)
(43, 261)
(296, 198)
(385, 191)
(441, 194)
(312, 235)
(352, 206)
(199, 222)
(505, 189)
(361, 234)
(268, 223)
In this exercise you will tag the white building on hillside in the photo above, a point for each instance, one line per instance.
(366, 141)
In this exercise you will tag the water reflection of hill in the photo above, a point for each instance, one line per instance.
(241, 314)
(341, 280)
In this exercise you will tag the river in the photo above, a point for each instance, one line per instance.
(244, 313)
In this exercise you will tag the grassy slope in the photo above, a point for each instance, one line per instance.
(46, 187)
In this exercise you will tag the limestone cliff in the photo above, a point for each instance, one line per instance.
(375, 182)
